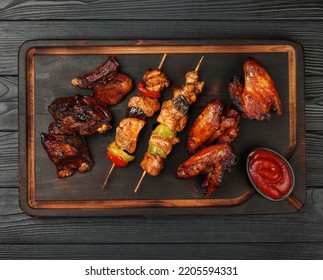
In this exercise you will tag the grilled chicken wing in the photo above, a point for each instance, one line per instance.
(81, 114)
(257, 95)
(67, 152)
(113, 91)
(213, 123)
(205, 125)
(213, 160)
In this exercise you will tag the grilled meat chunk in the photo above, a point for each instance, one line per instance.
(204, 127)
(113, 91)
(148, 105)
(213, 123)
(127, 133)
(105, 71)
(81, 114)
(67, 152)
(152, 164)
(171, 117)
(257, 95)
(213, 160)
(155, 80)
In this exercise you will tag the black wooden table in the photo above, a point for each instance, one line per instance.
(291, 236)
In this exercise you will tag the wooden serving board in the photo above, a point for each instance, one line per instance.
(46, 69)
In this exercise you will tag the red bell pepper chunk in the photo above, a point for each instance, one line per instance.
(149, 93)
(118, 161)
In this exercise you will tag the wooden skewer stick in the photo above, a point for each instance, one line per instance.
(113, 165)
(140, 180)
(144, 173)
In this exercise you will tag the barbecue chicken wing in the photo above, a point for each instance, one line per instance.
(257, 95)
(67, 152)
(213, 123)
(81, 114)
(213, 160)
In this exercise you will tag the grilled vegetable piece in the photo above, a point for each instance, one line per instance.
(67, 152)
(257, 95)
(81, 114)
(127, 133)
(105, 71)
(118, 156)
(205, 125)
(213, 160)
(213, 123)
(113, 91)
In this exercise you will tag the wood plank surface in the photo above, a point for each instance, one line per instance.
(16, 33)
(295, 236)
(16, 227)
(188, 251)
(165, 10)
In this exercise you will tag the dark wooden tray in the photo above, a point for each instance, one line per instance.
(45, 71)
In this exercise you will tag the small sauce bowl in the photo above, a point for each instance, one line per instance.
(270, 174)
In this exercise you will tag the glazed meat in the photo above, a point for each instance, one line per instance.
(105, 71)
(81, 114)
(204, 127)
(213, 160)
(171, 117)
(127, 133)
(67, 152)
(152, 164)
(257, 95)
(155, 80)
(213, 123)
(113, 91)
(148, 105)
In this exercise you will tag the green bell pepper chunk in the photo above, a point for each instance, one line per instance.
(164, 131)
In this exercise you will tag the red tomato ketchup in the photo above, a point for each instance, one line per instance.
(270, 173)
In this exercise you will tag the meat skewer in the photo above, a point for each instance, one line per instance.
(172, 119)
(145, 104)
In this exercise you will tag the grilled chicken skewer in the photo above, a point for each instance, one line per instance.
(145, 104)
(172, 119)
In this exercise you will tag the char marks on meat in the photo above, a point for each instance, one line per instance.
(81, 114)
(257, 95)
(213, 160)
(69, 152)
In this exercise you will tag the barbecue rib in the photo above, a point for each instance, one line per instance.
(67, 152)
(213, 160)
(257, 95)
(81, 114)
(113, 91)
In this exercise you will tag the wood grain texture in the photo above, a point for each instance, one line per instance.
(16, 33)
(165, 10)
(8, 159)
(188, 251)
(18, 228)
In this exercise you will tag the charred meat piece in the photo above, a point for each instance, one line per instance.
(213, 160)
(213, 123)
(105, 71)
(81, 114)
(257, 95)
(204, 127)
(127, 133)
(148, 105)
(229, 127)
(113, 91)
(67, 152)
